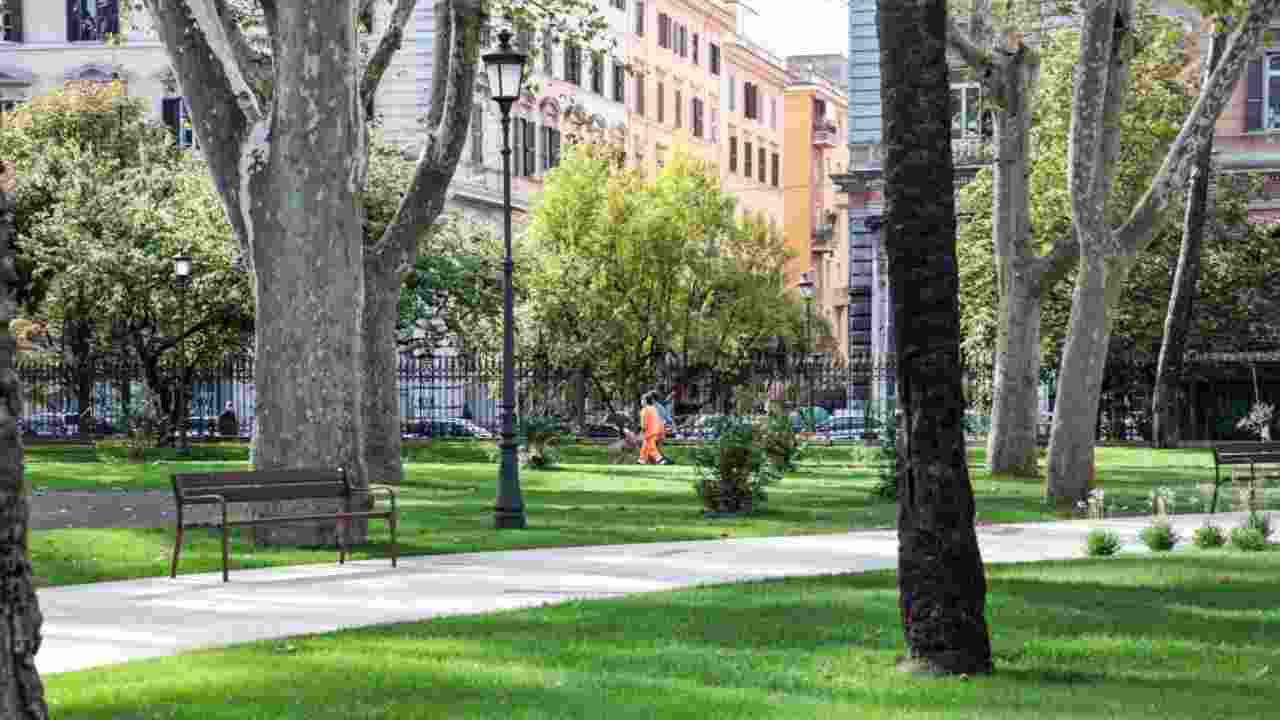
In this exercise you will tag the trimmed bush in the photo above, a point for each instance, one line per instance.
(1159, 536)
(1248, 539)
(1208, 537)
(1260, 522)
(1102, 543)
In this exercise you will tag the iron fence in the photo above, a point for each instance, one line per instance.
(460, 396)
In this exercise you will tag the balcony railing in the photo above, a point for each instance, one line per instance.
(824, 135)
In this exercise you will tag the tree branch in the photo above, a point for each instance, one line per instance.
(218, 119)
(459, 22)
(255, 65)
(1088, 101)
(1198, 127)
(976, 57)
(392, 39)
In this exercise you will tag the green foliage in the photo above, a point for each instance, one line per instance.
(1260, 522)
(1248, 539)
(625, 273)
(733, 470)
(1102, 543)
(1208, 536)
(780, 443)
(542, 436)
(1159, 536)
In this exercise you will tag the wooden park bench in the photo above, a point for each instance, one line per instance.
(271, 485)
(1252, 454)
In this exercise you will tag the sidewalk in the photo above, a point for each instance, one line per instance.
(91, 625)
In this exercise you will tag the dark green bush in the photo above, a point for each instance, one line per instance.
(1208, 537)
(1248, 539)
(540, 437)
(1102, 543)
(1159, 536)
(734, 469)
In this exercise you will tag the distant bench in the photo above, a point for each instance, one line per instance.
(1252, 454)
(271, 485)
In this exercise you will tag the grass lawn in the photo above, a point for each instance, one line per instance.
(449, 491)
(1191, 635)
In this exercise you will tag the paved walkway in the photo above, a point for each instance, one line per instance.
(90, 625)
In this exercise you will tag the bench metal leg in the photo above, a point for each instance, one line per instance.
(342, 541)
(224, 544)
(177, 550)
(395, 551)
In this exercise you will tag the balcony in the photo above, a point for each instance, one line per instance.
(824, 135)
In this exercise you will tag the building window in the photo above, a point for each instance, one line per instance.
(640, 95)
(573, 64)
(966, 106)
(695, 48)
(664, 30)
(750, 101)
(477, 135)
(761, 167)
(92, 20)
(662, 103)
(733, 154)
(529, 147)
(550, 148)
(660, 155)
(776, 162)
(8, 105)
(679, 107)
(597, 73)
(746, 159)
(11, 22)
(174, 113)
(682, 41)
(640, 19)
(733, 87)
(548, 67)
(773, 113)
(524, 40)
(713, 58)
(619, 83)
(618, 4)
(697, 118)
(715, 125)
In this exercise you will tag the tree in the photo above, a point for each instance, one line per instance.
(286, 138)
(627, 276)
(21, 691)
(101, 223)
(1167, 400)
(1107, 44)
(941, 581)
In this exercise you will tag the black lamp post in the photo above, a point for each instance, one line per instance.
(505, 68)
(182, 274)
(806, 291)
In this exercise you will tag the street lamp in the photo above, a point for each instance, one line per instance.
(505, 68)
(806, 291)
(182, 274)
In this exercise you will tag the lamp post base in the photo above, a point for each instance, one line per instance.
(508, 513)
(508, 519)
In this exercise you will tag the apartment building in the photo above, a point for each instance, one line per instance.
(752, 154)
(814, 111)
(47, 43)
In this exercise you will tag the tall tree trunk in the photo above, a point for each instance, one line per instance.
(1168, 400)
(1084, 359)
(382, 411)
(21, 691)
(305, 229)
(1011, 444)
(1101, 83)
(942, 586)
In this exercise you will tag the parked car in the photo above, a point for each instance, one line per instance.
(841, 428)
(600, 432)
(48, 424)
(448, 428)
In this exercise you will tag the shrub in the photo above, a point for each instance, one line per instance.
(886, 486)
(541, 436)
(1248, 539)
(779, 442)
(1102, 543)
(1209, 536)
(1260, 522)
(1159, 536)
(733, 470)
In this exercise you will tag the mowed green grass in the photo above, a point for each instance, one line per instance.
(1186, 636)
(449, 491)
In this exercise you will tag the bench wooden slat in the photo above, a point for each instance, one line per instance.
(286, 519)
(266, 493)
(1250, 458)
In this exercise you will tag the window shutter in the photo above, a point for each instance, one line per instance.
(516, 137)
(14, 33)
(530, 148)
(73, 21)
(1253, 101)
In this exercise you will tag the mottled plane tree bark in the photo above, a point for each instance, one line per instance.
(21, 691)
(1168, 400)
(941, 581)
(1107, 254)
(1008, 68)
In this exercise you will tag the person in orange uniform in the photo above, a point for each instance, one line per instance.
(654, 430)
